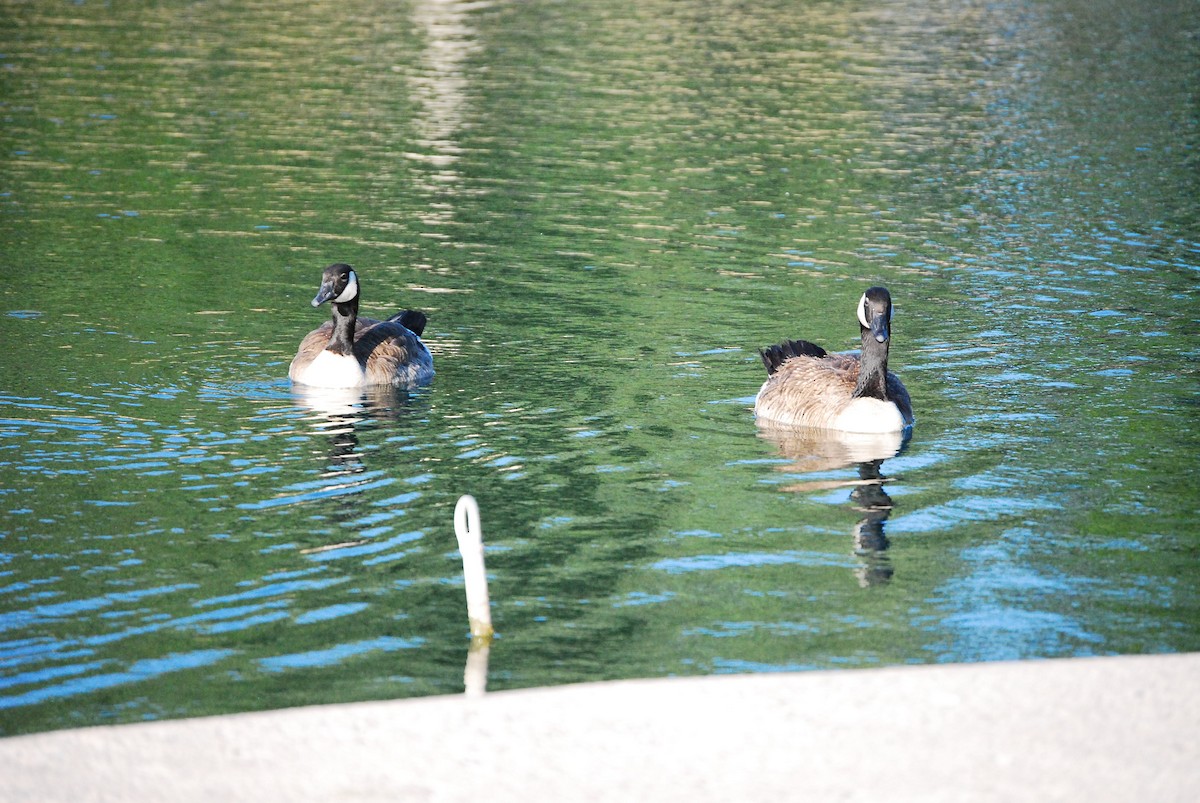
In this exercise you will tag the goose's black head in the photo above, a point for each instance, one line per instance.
(875, 314)
(339, 284)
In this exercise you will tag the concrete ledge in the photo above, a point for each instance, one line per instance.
(1094, 729)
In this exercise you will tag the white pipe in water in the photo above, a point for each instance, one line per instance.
(470, 544)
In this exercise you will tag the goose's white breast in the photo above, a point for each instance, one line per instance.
(870, 415)
(329, 370)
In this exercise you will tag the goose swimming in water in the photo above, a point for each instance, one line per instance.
(349, 351)
(807, 386)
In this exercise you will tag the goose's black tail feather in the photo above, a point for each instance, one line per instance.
(775, 356)
(411, 319)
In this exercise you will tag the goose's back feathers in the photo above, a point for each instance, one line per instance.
(818, 391)
(411, 319)
(775, 356)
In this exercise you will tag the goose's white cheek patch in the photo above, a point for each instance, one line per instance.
(351, 289)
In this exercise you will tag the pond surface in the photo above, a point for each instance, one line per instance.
(605, 209)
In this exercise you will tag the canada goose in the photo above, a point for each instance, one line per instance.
(807, 386)
(349, 351)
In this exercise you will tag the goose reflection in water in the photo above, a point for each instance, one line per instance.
(337, 410)
(870, 542)
(815, 450)
(338, 414)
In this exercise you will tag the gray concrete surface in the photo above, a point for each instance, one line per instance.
(1092, 729)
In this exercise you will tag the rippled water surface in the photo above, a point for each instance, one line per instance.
(605, 209)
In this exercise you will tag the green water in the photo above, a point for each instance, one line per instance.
(605, 209)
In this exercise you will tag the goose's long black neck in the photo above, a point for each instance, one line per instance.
(345, 315)
(872, 368)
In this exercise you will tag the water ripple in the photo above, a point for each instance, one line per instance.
(737, 560)
(338, 654)
(138, 671)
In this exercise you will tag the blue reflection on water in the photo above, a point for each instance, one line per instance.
(337, 654)
(137, 672)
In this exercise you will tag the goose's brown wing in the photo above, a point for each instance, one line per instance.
(391, 353)
(809, 391)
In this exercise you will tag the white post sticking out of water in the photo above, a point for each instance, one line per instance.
(479, 611)
(470, 544)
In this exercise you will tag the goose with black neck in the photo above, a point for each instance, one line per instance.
(350, 351)
(807, 386)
